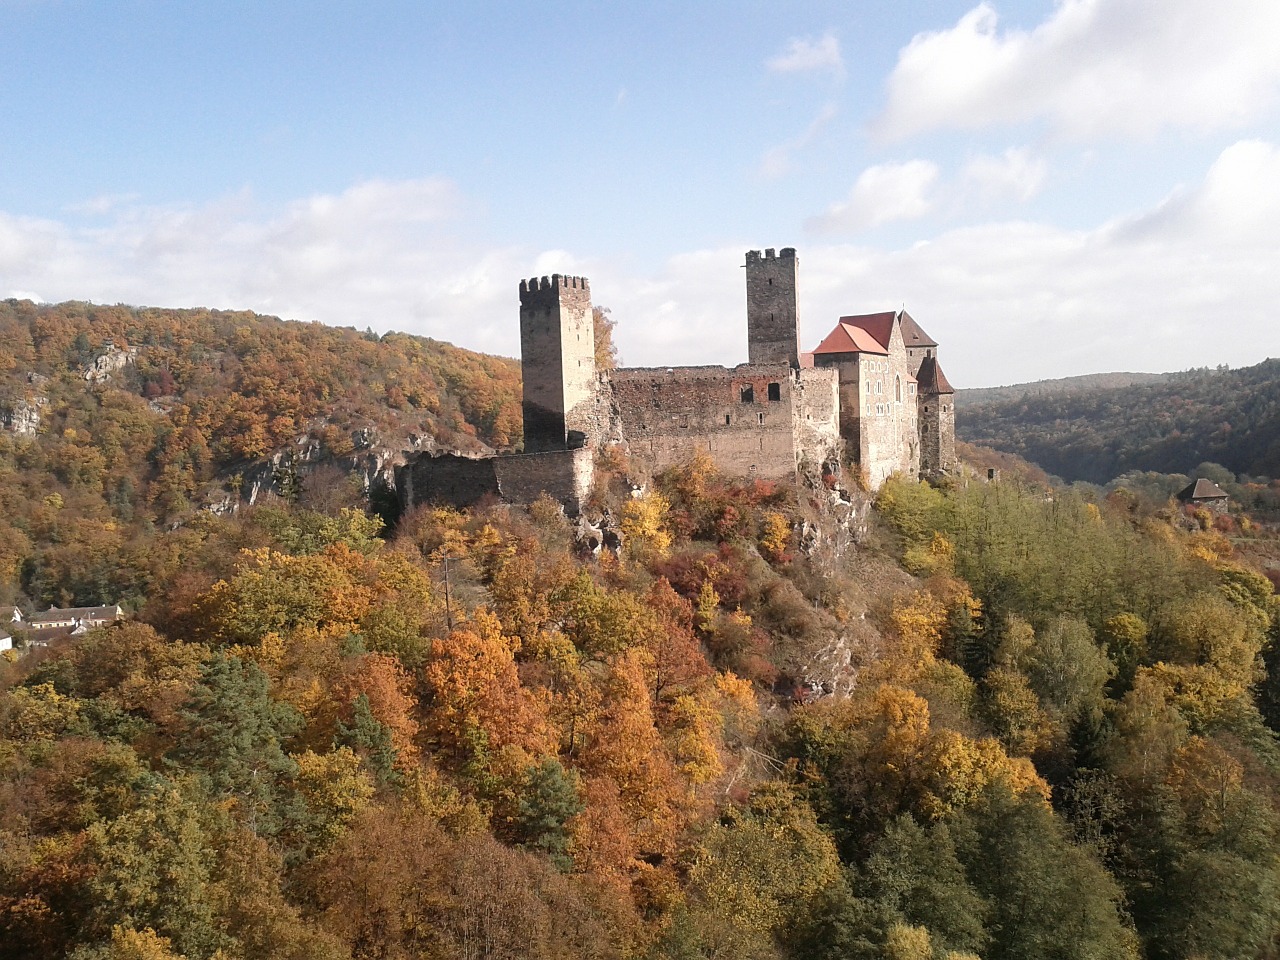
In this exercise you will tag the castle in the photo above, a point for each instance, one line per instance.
(871, 396)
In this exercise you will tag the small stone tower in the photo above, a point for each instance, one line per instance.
(773, 331)
(937, 420)
(558, 362)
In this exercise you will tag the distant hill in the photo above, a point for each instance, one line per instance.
(1089, 428)
(1017, 391)
(116, 420)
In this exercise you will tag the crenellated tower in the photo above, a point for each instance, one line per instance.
(773, 321)
(558, 361)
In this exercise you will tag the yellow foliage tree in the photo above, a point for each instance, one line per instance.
(646, 535)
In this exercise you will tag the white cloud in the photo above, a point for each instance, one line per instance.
(382, 253)
(1237, 204)
(883, 194)
(1190, 282)
(778, 161)
(1015, 173)
(1093, 68)
(809, 56)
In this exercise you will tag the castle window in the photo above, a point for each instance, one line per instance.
(761, 416)
(897, 389)
(924, 428)
(926, 409)
(726, 419)
(748, 394)
(775, 392)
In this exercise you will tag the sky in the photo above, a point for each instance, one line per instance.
(1049, 188)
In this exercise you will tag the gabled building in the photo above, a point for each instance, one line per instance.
(74, 617)
(897, 413)
(1204, 493)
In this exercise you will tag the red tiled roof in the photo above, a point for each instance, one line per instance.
(913, 334)
(931, 377)
(849, 338)
(879, 325)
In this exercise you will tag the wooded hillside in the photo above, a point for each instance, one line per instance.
(97, 458)
(997, 720)
(1230, 417)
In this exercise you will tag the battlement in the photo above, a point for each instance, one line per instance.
(538, 290)
(786, 253)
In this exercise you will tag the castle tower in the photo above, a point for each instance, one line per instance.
(558, 362)
(773, 325)
(937, 420)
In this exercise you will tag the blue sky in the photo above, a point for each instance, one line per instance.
(1050, 188)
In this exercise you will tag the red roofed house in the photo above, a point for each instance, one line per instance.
(896, 409)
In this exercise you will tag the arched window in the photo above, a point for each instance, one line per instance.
(897, 389)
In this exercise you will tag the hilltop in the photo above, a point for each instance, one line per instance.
(973, 396)
(1085, 429)
(120, 420)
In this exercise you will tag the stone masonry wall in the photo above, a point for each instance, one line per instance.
(564, 475)
(816, 419)
(669, 414)
(772, 319)
(460, 481)
(557, 349)
(446, 478)
(889, 436)
(937, 434)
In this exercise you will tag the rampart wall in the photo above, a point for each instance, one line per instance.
(459, 481)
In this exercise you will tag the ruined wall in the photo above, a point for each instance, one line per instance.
(557, 349)
(564, 475)
(446, 478)
(669, 414)
(816, 417)
(772, 313)
(460, 481)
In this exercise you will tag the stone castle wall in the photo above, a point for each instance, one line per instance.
(558, 354)
(744, 418)
(878, 410)
(773, 334)
(816, 422)
(564, 475)
(937, 434)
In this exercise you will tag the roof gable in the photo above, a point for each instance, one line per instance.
(913, 334)
(1203, 489)
(847, 338)
(931, 377)
(879, 325)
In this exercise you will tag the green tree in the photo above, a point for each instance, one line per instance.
(1047, 898)
(549, 798)
(233, 734)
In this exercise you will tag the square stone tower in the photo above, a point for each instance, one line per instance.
(558, 362)
(773, 321)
